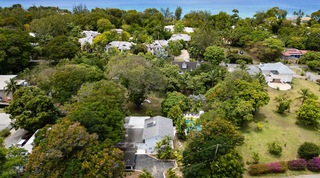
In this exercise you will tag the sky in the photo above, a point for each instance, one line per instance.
(247, 8)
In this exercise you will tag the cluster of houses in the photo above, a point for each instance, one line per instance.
(157, 45)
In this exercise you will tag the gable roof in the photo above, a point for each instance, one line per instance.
(281, 68)
(90, 35)
(121, 45)
(157, 126)
(187, 66)
(184, 37)
(293, 51)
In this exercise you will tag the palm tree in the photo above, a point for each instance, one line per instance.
(304, 94)
(11, 86)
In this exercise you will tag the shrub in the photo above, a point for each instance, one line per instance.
(4, 133)
(275, 148)
(308, 150)
(259, 126)
(278, 167)
(275, 167)
(314, 164)
(297, 165)
(257, 169)
(256, 158)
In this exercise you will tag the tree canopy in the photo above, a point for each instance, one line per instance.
(67, 150)
(32, 109)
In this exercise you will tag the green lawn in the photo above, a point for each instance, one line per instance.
(154, 106)
(282, 128)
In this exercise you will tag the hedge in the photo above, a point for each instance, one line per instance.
(275, 167)
(297, 165)
(314, 164)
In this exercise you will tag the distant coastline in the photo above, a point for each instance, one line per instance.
(247, 8)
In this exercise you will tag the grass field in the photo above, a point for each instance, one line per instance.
(282, 128)
(154, 106)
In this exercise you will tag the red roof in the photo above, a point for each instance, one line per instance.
(293, 51)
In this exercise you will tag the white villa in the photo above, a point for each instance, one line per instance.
(277, 72)
(144, 132)
(89, 36)
(121, 45)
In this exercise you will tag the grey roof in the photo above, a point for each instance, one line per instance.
(134, 135)
(281, 68)
(184, 37)
(121, 45)
(253, 69)
(157, 126)
(158, 44)
(187, 66)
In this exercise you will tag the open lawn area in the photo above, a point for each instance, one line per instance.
(282, 128)
(154, 106)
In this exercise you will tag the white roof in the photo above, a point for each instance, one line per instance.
(281, 68)
(158, 43)
(3, 79)
(170, 28)
(184, 37)
(29, 145)
(121, 45)
(4, 120)
(90, 35)
(136, 121)
(118, 30)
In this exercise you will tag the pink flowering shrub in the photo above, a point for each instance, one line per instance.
(297, 165)
(275, 167)
(314, 164)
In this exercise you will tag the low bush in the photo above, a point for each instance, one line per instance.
(278, 167)
(297, 165)
(275, 167)
(4, 133)
(275, 148)
(308, 150)
(314, 164)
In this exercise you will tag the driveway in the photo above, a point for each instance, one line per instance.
(154, 166)
(312, 77)
(14, 137)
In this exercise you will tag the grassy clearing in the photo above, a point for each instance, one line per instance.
(154, 106)
(282, 128)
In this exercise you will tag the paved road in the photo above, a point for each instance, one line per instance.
(306, 176)
(155, 167)
(14, 137)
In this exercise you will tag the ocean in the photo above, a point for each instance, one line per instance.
(247, 8)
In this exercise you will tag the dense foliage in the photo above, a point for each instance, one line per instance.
(32, 109)
(308, 150)
(73, 153)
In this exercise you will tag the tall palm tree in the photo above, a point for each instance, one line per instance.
(11, 86)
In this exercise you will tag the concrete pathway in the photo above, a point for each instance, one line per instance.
(184, 56)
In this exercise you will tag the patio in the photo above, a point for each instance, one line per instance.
(280, 86)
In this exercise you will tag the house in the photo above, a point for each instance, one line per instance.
(89, 36)
(142, 133)
(292, 54)
(276, 72)
(186, 66)
(155, 129)
(170, 28)
(121, 45)
(157, 45)
(119, 31)
(184, 37)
